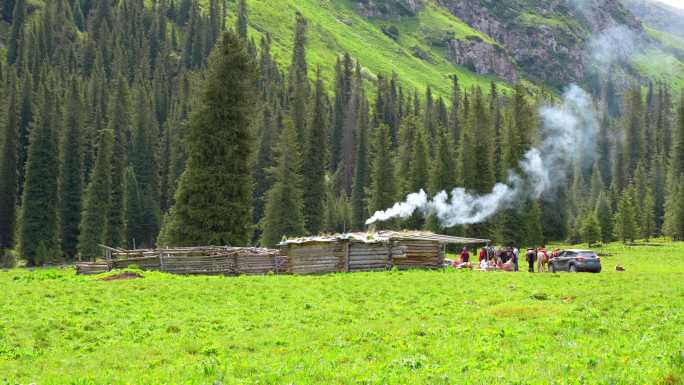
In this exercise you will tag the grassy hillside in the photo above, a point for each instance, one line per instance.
(336, 27)
(415, 327)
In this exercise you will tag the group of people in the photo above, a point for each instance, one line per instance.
(504, 258)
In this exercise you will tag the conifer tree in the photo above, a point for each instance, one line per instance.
(241, 20)
(96, 200)
(119, 124)
(359, 206)
(382, 188)
(213, 200)
(9, 175)
(16, 34)
(133, 210)
(647, 220)
(143, 158)
(283, 215)
(71, 177)
(534, 234)
(591, 231)
(313, 167)
(633, 131)
(299, 81)
(455, 111)
(604, 217)
(264, 161)
(38, 232)
(625, 222)
(418, 177)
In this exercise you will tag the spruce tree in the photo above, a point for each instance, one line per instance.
(96, 200)
(359, 205)
(38, 232)
(133, 210)
(382, 192)
(647, 220)
(119, 124)
(16, 34)
(299, 81)
(213, 200)
(241, 20)
(604, 216)
(534, 234)
(313, 167)
(591, 230)
(143, 158)
(9, 175)
(625, 222)
(283, 215)
(71, 177)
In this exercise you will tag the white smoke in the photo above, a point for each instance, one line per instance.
(568, 131)
(615, 45)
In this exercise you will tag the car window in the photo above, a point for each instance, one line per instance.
(587, 254)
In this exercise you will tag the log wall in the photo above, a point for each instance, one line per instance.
(317, 258)
(407, 254)
(368, 256)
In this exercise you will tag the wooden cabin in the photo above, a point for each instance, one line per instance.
(369, 251)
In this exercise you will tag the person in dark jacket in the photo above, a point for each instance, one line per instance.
(531, 258)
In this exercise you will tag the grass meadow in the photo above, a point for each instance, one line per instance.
(411, 327)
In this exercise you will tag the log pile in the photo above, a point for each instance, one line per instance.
(317, 258)
(408, 254)
(146, 262)
(89, 268)
(368, 256)
(210, 260)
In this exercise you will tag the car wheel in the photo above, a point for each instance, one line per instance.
(552, 267)
(573, 269)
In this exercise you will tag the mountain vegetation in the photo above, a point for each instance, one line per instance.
(176, 122)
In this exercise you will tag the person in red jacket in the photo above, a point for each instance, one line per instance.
(465, 255)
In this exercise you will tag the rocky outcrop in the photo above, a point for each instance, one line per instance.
(482, 58)
(388, 8)
(547, 38)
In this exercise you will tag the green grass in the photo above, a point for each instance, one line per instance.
(395, 327)
(335, 27)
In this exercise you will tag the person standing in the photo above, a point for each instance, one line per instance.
(516, 253)
(531, 257)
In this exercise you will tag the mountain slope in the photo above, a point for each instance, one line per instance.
(414, 44)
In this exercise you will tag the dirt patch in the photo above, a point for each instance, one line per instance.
(122, 276)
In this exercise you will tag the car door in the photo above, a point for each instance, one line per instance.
(564, 260)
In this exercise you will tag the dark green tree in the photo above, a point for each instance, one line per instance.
(359, 205)
(313, 167)
(133, 210)
(604, 215)
(9, 175)
(119, 124)
(39, 232)
(143, 158)
(71, 177)
(15, 42)
(241, 19)
(591, 230)
(284, 204)
(382, 192)
(96, 201)
(213, 200)
(299, 80)
(625, 223)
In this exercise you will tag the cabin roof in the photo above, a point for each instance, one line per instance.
(383, 237)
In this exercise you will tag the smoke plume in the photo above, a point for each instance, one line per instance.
(568, 136)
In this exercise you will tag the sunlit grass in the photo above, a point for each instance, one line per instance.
(392, 327)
